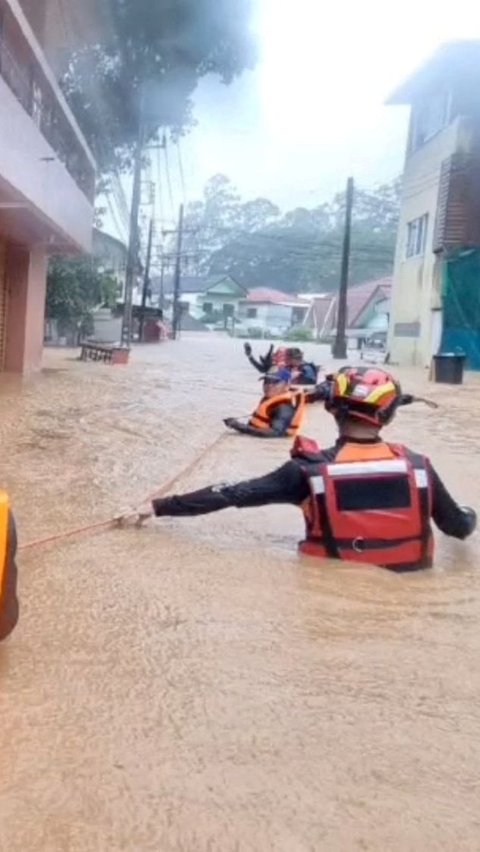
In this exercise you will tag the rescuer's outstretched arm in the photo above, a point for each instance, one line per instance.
(450, 518)
(287, 484)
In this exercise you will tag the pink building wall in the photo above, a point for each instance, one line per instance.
(26, 283)
(47, 176)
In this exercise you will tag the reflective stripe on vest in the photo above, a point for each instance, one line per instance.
(394, 534)
(354, 469)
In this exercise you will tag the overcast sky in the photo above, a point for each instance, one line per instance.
(313, 111)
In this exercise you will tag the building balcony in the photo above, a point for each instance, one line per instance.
(47, 173)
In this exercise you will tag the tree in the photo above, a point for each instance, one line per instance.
(218, 220)
(75, 288)
(147, 63)
(297, 251)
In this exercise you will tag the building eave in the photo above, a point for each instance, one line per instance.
(451, 60)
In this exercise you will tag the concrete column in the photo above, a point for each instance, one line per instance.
(26, 277)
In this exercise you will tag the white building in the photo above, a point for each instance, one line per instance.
(269, 311)
(440, 211)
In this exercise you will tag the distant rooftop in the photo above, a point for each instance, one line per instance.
(273, 297)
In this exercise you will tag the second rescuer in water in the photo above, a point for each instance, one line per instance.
(279, 413)
(364, 500)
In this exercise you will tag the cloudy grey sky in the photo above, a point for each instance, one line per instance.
(313, 110)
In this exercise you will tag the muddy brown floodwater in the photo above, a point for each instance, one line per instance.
(194, 685)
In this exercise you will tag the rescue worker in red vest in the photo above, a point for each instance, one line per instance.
(364, 500)
(8, 569)
(280, 412)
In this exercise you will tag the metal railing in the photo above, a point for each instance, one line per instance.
(34, 93)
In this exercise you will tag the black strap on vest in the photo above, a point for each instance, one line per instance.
(328, 540)
(419, 463)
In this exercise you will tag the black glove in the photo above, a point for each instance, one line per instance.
(321, 392)
(267, 361)
(247, 349)
(472, 517)
(229, 421)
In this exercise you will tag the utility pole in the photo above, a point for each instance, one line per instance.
(146, 280)
(176, 277)
(161, 298)
(339, 349)
(132, 257)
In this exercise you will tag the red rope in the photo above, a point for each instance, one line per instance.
(111, 522)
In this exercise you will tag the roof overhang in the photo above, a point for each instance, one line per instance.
(452, 61)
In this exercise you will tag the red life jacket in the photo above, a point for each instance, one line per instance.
(371, 505)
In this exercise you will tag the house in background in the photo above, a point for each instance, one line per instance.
(214, 300)
(368, 310)
(111, 256)
(47, 172)
(320, 316)
(436, 282)
(270, 311)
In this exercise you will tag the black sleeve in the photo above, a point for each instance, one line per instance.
(257, 364)
(267, 360)
(308, 375)
(287, 484)
(281, 419)
(446, 513)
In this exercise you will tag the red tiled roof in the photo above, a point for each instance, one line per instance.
(268, 294)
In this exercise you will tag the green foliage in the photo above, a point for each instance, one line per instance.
(212, 318)
(149, 58)
(300, 335)
(74, 289)
(296, 251)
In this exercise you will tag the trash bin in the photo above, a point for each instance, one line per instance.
(448, 368)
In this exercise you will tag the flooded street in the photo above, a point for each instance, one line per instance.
(194, 685)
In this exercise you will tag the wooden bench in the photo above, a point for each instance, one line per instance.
(107, 353)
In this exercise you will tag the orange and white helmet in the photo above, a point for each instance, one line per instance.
(364, 393)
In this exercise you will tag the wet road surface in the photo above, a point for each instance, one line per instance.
(193, 685)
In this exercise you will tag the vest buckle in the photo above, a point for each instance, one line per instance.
(358, 544)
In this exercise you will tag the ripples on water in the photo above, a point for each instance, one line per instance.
(194, 685)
